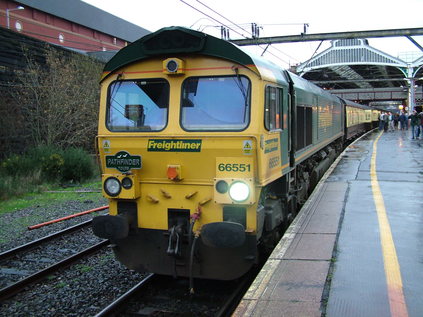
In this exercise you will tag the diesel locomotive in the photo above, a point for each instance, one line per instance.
(207, 151)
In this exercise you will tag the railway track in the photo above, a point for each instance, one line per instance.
(30, 245)
(15, 288)
(164, 296)
(35, 257)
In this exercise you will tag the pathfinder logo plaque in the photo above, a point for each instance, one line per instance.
(123, 161)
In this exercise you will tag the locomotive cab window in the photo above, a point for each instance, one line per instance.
(215, 103)
(273, 108)
(138, 105)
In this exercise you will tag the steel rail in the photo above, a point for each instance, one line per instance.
(15, 288)
(233, 300)
(114, 307)
(30, 245)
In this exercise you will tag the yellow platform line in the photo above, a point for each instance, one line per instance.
(392, 268)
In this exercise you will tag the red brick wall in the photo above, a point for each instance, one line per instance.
(56, 30)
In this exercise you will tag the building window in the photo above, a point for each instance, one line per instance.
(61, 38)
(114, 41)
(18, 26)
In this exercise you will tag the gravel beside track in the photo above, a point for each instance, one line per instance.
(14, 225)
(81, 290)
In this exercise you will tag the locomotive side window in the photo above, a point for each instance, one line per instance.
(304, 126)
(215, 103)
(138, 105)
(273, 108)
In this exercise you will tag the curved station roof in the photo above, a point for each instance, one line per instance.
(352, 69)
(352, 64)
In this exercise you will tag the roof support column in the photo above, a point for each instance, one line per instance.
(411, 90)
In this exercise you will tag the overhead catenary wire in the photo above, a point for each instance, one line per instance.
(235, 26)
(214, 11)
(214, 19)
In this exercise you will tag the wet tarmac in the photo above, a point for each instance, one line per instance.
(358, 286)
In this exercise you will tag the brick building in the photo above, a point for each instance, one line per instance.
(70, 23)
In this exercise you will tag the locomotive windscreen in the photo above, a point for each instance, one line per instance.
(215, 103)
(138, 105)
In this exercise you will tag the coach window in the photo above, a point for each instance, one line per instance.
(273, 108)
(215, 103)
(138, 105)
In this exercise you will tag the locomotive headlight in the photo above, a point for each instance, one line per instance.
(239, 191)
(112, 186)
(173, 66)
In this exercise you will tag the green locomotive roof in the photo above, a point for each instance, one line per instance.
(174, 40)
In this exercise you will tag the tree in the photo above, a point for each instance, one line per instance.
(58, 100)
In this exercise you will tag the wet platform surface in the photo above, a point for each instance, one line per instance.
(332, 261)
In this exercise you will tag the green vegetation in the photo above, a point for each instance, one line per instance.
(41, 169)
(48, 198)
(53, 102)
(61, 284)
(83, 268)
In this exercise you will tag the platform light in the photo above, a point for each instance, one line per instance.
(8, 16)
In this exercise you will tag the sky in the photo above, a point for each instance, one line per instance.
(279, 18)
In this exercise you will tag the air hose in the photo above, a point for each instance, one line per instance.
(193, 217)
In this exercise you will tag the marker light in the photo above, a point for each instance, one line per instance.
(126, 183)
(239, 191)
(112, 186)
(222, 186)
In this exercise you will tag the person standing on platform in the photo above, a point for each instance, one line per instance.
(391, 122)
(396, 120)
(381, 121)
(386, 122)
(420, 115)
(402, 120)
(414, 124)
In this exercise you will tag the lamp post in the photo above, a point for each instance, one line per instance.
(7, 14)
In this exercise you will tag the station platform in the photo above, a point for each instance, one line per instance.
(356, 246)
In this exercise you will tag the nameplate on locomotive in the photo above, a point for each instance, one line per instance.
(123, 161)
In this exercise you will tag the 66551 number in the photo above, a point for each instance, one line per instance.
(234, 167)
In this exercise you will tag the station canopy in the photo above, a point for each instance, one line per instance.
(354, 64)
